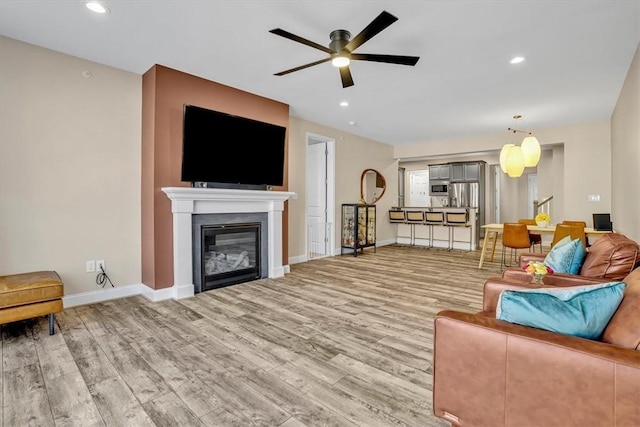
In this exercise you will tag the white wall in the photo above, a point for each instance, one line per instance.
(353, 155)
(625, 158)
(69, 166)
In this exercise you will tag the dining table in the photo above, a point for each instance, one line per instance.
(491, 232)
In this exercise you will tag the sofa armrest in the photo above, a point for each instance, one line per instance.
(517, 275)
(529, 256)
(490, 372)
(565, 280)
(493, 286)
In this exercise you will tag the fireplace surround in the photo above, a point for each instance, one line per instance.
(187, 202)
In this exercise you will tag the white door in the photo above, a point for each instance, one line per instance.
(419, 188)
(318, 233)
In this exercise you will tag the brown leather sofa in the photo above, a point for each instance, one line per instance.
(613, 256)
(493, 373)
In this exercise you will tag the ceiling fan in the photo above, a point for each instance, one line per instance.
(341, 48)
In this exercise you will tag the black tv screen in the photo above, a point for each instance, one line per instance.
(222, 148)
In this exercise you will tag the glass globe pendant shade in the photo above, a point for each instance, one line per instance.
(503, 157)
(531, 150)
(515, 161)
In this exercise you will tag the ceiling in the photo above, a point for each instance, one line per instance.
(577, 56)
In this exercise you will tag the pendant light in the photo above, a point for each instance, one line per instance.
(515, 161)
(503, 156)
(514, 158)
(531, 150)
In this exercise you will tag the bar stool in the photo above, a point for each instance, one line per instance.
(457, 220)
(396, 217)
(431, 219)
(413, 218)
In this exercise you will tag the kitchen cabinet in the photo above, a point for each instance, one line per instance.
(358, 227)
(461, 172)
(471, 171)
(439, 172)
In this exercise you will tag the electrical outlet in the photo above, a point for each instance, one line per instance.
(91, 266)
(100, 266)
(593, 197)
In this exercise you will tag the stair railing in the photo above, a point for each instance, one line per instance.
(543, 206)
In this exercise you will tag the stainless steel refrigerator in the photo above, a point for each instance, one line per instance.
(470, 194)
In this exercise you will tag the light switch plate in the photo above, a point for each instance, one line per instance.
(593, 197)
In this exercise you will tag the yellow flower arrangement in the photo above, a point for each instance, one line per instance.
(543, 217)
(538, 270)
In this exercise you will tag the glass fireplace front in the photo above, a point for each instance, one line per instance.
(230, 254)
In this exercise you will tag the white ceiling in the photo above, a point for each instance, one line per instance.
(578, 54)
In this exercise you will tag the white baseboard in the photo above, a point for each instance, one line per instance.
(386, 242)
(106, 294)
(156, 295)
(298, 259)
(287, 269)
(101, 295)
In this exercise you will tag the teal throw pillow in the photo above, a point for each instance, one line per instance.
(561, 255)
(581, 311)
(578, 258)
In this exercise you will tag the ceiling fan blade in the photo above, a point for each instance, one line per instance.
(287, 35)
(390, 59)
(302, 67)
(345, 75)
(381, 22)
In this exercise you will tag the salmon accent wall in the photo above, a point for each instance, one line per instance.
(164, 93)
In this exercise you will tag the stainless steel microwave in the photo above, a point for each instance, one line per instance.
(438, 188)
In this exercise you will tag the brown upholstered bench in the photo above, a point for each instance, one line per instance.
(27, 295)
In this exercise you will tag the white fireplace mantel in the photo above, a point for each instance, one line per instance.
(187, 201)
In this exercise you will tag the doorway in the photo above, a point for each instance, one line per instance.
(494, 182)
(320, 200)
(419, 188)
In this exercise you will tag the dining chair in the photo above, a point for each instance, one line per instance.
(582, 224)
(573, 231)
(535, 239)
(514, 236)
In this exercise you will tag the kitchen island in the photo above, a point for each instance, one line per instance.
(412, 231)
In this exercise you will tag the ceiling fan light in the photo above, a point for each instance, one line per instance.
(503, 157)
(531, 150)
(340, 61)
(515, 161)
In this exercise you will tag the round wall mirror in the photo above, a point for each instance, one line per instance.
(372, 186)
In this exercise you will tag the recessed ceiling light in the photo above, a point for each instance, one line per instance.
(517, 60)
(96, 7)
(352, 123)
(344, 104)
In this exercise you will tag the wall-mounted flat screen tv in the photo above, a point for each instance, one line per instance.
(222, 148)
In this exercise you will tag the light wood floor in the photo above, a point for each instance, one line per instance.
(338, 341)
